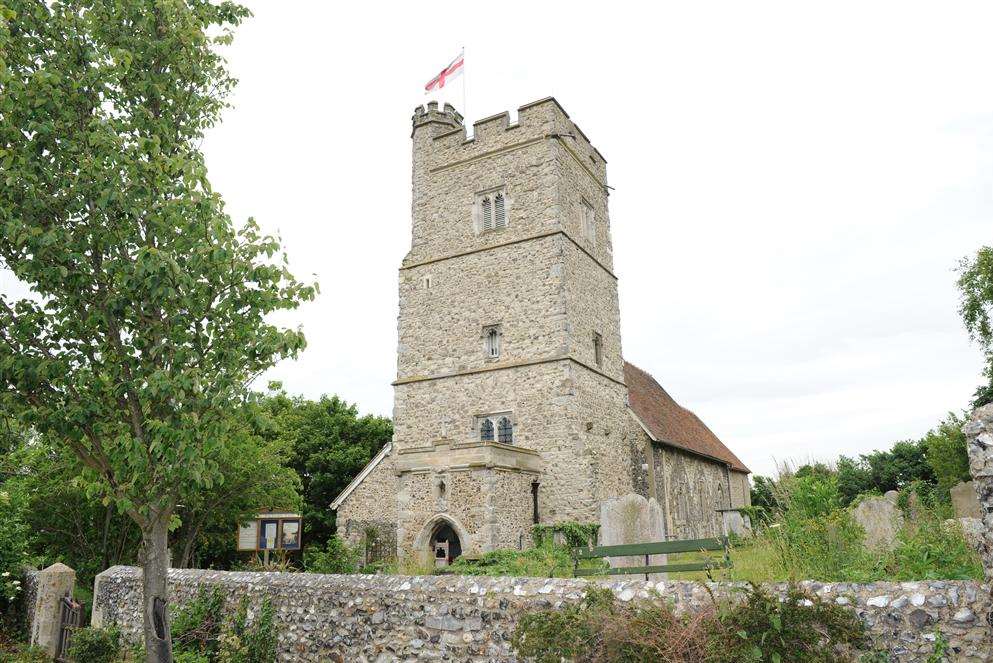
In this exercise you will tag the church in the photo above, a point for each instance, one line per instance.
(514, 404)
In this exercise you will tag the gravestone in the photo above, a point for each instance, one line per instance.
(55, 582)
(979, 433)
(632, 519)
(965, 502)
(881, 519)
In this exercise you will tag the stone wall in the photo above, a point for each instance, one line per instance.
(980, 446)
(697, 489)
(373, 504)
(388, 618)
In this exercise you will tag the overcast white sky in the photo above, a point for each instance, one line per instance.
(795, 184)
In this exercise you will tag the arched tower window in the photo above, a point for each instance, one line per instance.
(486, 430)
(491, 336)
(505, 431)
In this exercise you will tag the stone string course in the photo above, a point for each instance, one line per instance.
(361, 618)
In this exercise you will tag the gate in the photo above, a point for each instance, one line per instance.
(70, 614)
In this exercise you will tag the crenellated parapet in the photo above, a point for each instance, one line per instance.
(441, 121)
(536, 121)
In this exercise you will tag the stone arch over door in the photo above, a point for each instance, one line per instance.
(422, 542)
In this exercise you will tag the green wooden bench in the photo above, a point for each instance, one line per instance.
(659, 548)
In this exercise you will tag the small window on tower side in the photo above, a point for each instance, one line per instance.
(491, 341)
(589, 223)
(598, 350)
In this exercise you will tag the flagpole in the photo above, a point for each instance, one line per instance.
(465, 104)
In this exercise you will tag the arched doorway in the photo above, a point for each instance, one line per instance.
(445, 544)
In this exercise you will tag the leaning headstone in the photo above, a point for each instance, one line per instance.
(892, 495)
(632, 519)
(881, 519)
(55, 582)
(979, 432)
(965, 502)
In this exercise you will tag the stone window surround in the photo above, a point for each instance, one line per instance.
(477, 209)
(488, 342)
(494, 418)
(588, 221)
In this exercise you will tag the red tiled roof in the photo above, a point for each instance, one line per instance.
(669, 422)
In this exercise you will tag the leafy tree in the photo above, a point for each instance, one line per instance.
(984, 393)
(976, 308)
(854, 479)
(905, 463)
(947, 453)
(148, 314)
(256, 477)
(64, 523)
(763, 493)
(330, 445)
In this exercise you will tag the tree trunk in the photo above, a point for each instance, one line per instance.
(158, 640)
(184, 562)
(105, 556)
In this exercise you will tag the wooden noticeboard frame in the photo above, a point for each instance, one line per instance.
(287, 530)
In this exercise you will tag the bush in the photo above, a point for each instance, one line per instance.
(545, 562)
(569, 633)
(930, 549)
(335, 557)
(827, 548)
(196, 628)
(801, 628)
(13, 556)
(244, 642)
(95, 645)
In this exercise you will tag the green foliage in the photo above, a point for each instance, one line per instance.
(929, 549)
(13, 553)
(544, 561)
(257, 476)
(329, 444)
(571, 632)
(334, 557)
(197, 627)
(203, 634)
(802, 628)
(947, 454)
(976, 308)
(810, 495)
(757, 628)
(95, 645)
(25, 654)
(576, 535)
(249, 642)
(984, 392)
(149, 309)
(827, 547)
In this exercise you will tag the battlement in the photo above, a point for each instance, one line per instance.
(447, 116)
(540, 119)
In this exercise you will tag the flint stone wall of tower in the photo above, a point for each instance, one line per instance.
(549, 288)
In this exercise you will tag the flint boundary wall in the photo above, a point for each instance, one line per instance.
(363, 618)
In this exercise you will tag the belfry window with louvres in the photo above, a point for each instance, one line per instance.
(490, 210)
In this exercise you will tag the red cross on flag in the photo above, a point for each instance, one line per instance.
(453, 70)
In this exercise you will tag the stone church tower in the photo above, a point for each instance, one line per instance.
(511, 402)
